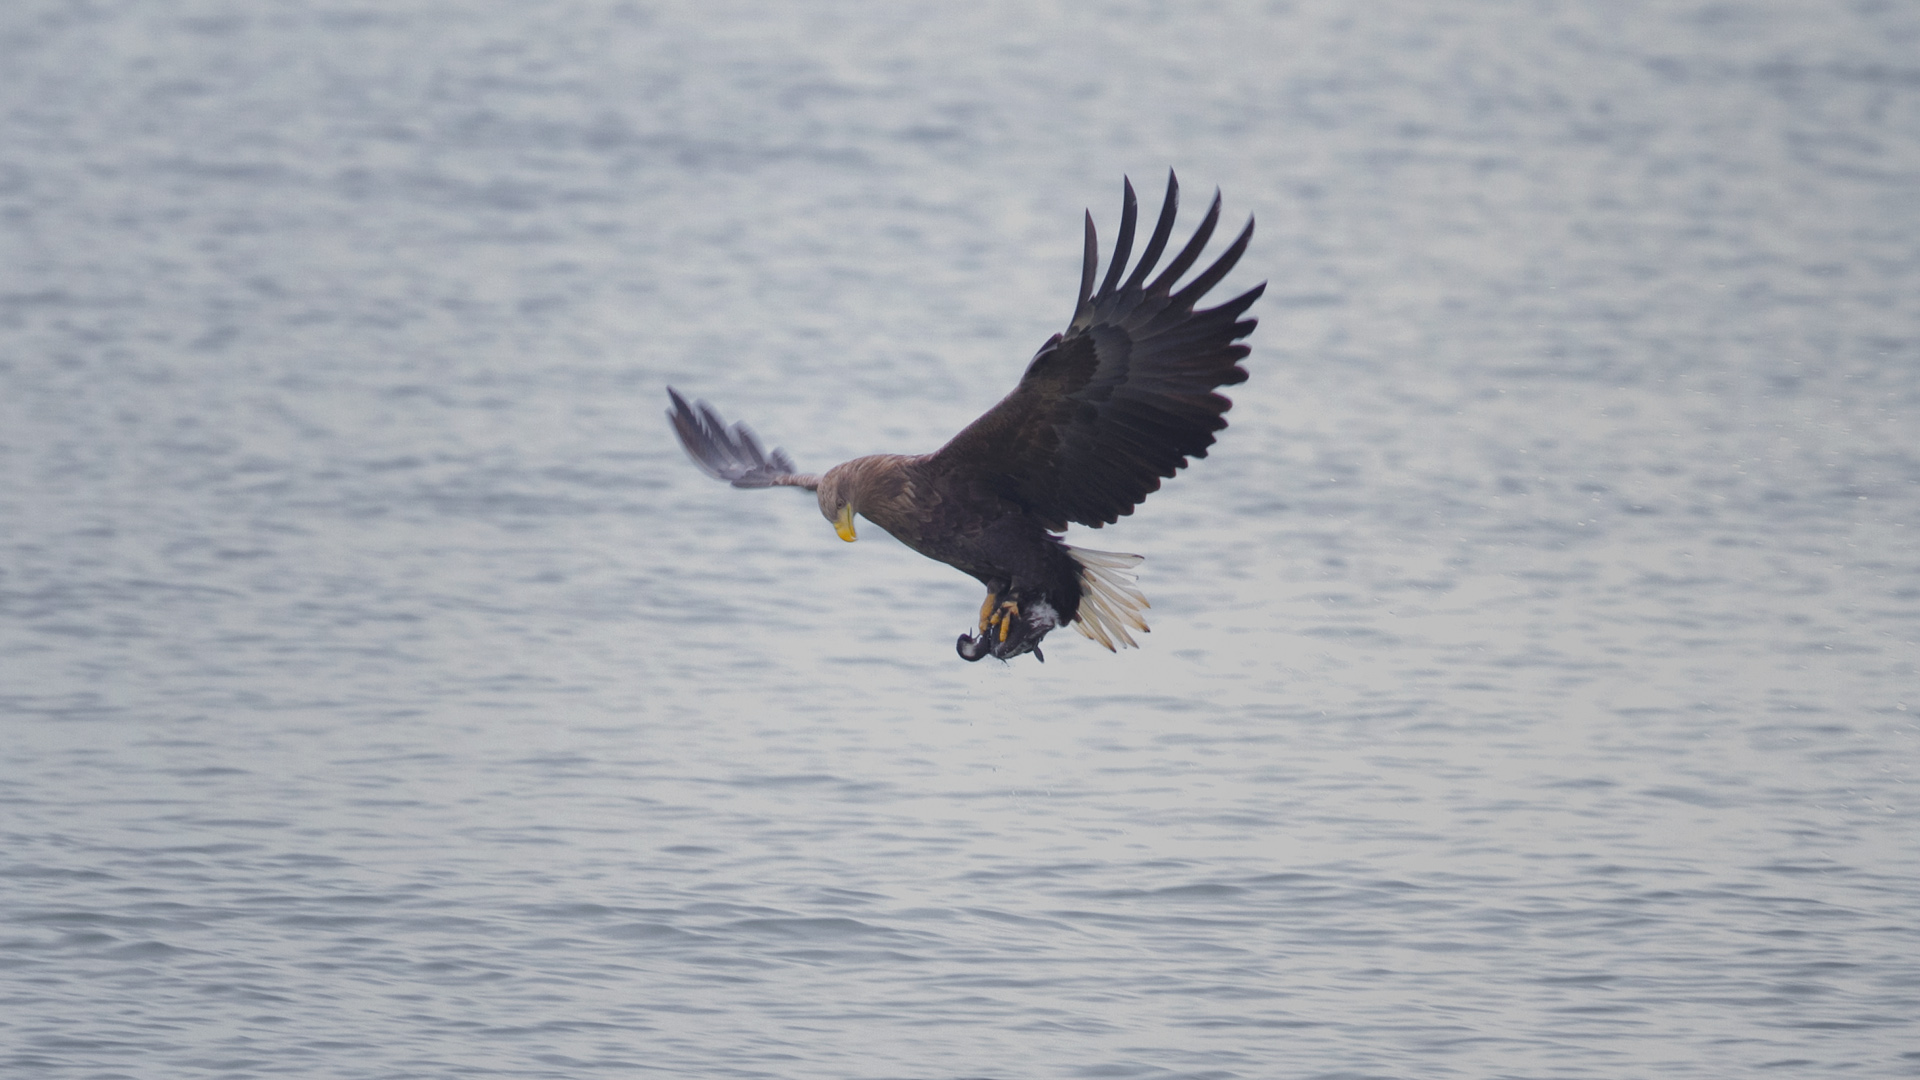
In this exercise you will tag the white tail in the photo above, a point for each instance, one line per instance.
(1108, 601)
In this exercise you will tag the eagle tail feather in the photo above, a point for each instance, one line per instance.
(1109, 602)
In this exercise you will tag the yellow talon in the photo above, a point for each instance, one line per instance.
(1005, 617)
(986, 611)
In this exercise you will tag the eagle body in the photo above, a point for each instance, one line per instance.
(1104, 412)
(953, 516)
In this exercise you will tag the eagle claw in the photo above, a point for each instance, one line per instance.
(1006, 631)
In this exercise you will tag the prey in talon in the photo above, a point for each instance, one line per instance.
(1007, 631)
(1106, 410)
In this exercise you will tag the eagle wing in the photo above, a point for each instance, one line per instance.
(1119, 402)
(731, 453)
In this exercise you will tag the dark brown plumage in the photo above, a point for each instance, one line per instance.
(1105, 412)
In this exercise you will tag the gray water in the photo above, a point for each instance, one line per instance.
(1532, 685)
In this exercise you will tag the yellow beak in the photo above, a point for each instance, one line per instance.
(843, 524)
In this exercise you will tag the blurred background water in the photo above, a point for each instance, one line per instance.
(1532, 686)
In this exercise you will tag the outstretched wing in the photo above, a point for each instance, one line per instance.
(731, 453)
(1120, 401)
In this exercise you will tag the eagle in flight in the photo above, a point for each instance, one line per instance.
(1103, 414)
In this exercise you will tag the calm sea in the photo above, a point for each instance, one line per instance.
(1532, 688)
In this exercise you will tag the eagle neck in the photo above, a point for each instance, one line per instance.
(881, 489)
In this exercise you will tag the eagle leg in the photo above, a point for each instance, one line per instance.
(986, 609)
(1012, 622)
(1003, 618)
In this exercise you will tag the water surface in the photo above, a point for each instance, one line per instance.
(1532, 685)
